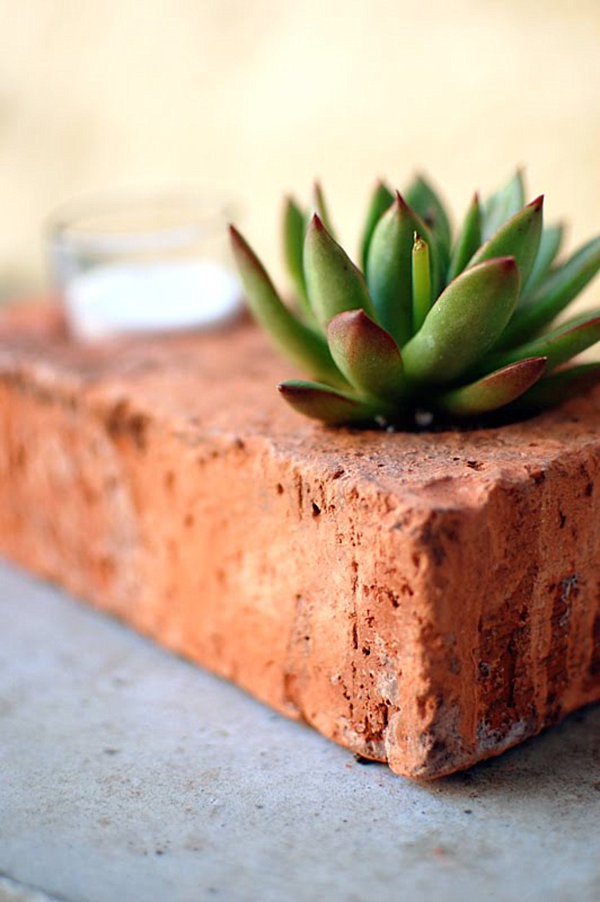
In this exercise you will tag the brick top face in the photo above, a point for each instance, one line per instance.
(428, 599)
(196, 381)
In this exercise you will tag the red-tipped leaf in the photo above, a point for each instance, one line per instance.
(321, 402)
(558, 346)
(367, 355)
(518, 238)
(493, 391)
(333, 282)
(300, 344)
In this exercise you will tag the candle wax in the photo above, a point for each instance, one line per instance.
(161, 296)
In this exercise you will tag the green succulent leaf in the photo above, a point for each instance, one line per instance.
(422, 295)
(322, 208)
(321, 402)
(558, 346)
(367, 355)
(550, 243)
(333, 282)
(503, 204)
(554, 293)
(560, 386)
(518, 238)
(426, 203)
(464, 323)
(389, 268)
(381, 200)
(469, 239)
(494, 390)
(299, 343)
(294, 227)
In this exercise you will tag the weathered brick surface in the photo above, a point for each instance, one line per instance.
(425, 599)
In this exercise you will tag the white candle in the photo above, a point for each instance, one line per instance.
(121, 298)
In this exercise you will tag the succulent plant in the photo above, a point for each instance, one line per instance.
(431, 326)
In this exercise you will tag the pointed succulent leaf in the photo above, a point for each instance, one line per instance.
(558, 346)
(518, 238)
(554, 293)
(381, 199)
(333, 282)
(293, 248)
(468, 241)
(300, 344)
(561, 385)
(322, 208)
(321, 402)
(367, 355)
(427, 204)
(550, 243)
(422, 295)
(503, 204)
(389, 268)
(464, 323)
(494, 390)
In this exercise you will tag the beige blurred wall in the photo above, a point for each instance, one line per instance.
(255, 98)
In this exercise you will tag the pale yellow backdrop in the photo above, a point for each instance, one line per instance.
(255, 98)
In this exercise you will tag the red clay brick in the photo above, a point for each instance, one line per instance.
(428, 600)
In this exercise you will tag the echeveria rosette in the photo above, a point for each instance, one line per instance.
(451, 327)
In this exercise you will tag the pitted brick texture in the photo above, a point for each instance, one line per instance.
(425, 599)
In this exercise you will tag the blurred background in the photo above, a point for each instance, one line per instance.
(254, 98)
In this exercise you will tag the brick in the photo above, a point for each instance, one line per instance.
(425, 599)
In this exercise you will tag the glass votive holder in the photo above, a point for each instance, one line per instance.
(132, 264)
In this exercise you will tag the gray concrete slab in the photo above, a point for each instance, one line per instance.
(14, 891)
(127, 774)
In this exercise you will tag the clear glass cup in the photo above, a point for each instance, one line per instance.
(142, 263)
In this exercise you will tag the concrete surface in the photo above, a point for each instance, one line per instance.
(127, 774)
